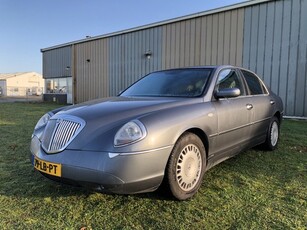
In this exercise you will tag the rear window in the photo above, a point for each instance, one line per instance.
(255, 86)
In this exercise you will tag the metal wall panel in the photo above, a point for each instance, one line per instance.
(285, 49)
(293, 56)
(127, 61)
(274, 47)
(301, 94)
(57, 62)
(269, 38)
(91, 70)
(207, 34)
(207, 40)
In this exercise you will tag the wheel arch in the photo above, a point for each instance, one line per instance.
(278, 116)
(203, 137)
(170, 180)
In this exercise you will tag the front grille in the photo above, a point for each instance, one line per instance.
(60, 132)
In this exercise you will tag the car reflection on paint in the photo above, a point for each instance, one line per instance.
(170, 126)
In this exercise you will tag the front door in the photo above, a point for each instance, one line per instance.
(234, 116)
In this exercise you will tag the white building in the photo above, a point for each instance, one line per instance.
(21, 84)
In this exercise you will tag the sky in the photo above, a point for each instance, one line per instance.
(27, 26)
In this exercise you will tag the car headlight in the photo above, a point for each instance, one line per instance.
(43, 120)
(129, 133)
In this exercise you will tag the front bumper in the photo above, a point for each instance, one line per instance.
(126, 173)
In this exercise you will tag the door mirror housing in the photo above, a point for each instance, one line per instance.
(227, 93)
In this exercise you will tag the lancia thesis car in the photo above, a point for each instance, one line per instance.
(170, 126)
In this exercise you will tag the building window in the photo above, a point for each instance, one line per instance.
(59, 85)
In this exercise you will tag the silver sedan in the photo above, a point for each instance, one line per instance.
(171, 126)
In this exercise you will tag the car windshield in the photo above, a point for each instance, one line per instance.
(171, 83)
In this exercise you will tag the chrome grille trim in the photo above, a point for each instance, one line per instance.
(64, 129)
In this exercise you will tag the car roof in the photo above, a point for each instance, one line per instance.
(202, 67)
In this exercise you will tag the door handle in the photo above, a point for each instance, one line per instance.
(272, 102)
(249, 106)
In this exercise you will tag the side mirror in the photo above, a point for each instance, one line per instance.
(227, 93)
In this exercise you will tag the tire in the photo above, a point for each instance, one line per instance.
(186, 166)
(272, 135)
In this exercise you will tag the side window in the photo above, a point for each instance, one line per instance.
(255, 86)
(229, 78)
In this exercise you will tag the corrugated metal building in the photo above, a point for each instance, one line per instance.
(266, 36)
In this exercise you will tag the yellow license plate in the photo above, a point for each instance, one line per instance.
(48, 167)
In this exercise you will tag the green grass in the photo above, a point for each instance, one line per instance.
(255, 190)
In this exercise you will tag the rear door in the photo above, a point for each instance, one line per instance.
(263, 105)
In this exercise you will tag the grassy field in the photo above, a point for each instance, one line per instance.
(255, 190)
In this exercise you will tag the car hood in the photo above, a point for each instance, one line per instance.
(116, 108)
(104, 117)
